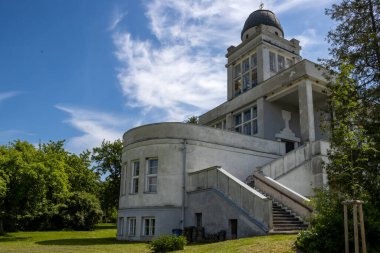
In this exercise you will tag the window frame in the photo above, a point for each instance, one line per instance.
(151, 226)
(121, 226)
(244, 78)
(131, 225)
(149, 176)
(135, 178)
(280, 62)
(272, 62)
(124, 180)
(241, 121)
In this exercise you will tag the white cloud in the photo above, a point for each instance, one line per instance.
(182, 73)
(7, 95)
(96, 127)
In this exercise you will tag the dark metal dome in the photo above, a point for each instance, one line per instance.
(261, 17)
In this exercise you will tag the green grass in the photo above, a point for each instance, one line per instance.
(102, 239)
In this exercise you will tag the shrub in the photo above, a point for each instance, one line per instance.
(327, 227)
(168, 243)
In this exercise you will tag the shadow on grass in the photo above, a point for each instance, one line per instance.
(86, 241)
(105, 227)
(9, 238)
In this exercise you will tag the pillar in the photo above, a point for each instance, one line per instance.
(306, 109)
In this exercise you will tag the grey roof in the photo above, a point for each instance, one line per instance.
(261, 17)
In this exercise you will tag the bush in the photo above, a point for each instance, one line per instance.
(327, 226)
(83, 211)
(168, 243)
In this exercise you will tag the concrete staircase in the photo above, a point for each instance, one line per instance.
(284, 221)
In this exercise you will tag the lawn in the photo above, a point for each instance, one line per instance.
(102, 239)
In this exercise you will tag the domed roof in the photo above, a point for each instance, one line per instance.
(261, 17)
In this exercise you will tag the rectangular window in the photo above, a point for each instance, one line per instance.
(272, 62)
(289, 62)
(246, 82)
(124, 181)
(121, 226)
(254, 61)
(131, 226)
(237, 86)
(254, 78)
(245, 65)
(135, 177)
(281, 62)
(149, 224)
(246, 121)
(151, 175)
(237, 70)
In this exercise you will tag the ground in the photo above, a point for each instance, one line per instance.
(102, 239)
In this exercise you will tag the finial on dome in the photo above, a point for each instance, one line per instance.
(261, 5)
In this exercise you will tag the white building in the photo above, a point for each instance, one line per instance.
(266, 135)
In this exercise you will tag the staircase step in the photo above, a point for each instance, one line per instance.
(288, 222)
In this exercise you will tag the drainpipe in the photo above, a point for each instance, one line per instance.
(183, 184)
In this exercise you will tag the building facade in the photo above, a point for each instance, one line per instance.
(254, 156)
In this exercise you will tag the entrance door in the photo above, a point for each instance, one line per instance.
(233, 226)
(198, 217)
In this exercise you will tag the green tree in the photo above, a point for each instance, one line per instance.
(107, 159)
(355, 40)
(36, 184)
(354, 123)
(192, 120)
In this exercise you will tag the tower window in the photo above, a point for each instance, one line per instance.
(246, 82)
(245, 65)
(245, 75)
(281, 62)
(237, 70)
(272, 62)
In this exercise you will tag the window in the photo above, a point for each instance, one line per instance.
(135, 177)
(245, 74)
(220, 125)
(149, 226)
(246, 82)
(237, 70)
(124, 181)
(246, 121)
(131, 226)
(254, 61)
(245, 65)
(151, 175)
(121, 226)
(237, 86)
(254, 78)
(272, 62)
(281, 62)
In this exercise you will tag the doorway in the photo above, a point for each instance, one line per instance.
(233, 228)
(198, 218)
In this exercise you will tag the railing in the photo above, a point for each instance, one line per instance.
(294, 201)
(295, 158)
(251, 201)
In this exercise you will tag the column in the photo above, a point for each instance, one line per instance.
(260, 117)
(306, 109)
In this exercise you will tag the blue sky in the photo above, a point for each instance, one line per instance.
(88, 70)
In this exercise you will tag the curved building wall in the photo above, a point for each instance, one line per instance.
(172, 144)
